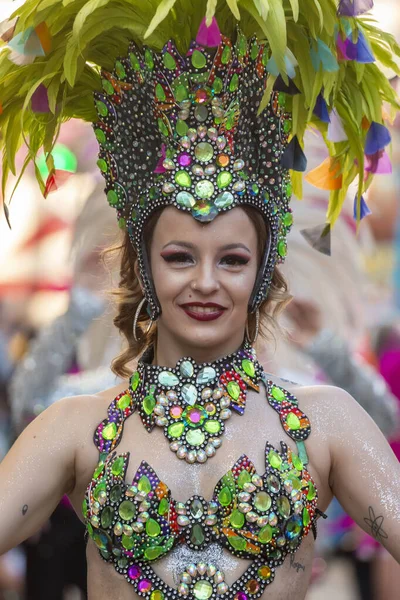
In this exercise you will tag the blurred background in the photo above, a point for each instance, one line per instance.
(57, 337)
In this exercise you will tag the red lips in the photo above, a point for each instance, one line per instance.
(203, 315)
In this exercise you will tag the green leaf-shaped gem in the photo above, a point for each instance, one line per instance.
(134, 61)
(199, 61)
(99, 469)
(217, 85)
(109, 432)
(181, 93)
(107, 86)
(160, 94)
(225, 496)
(306, 517)
(254, 51)
(265, 534)
(183, 179)
(234, 83)
(287, 219)
(127, 542)
(101, 108)
(237, 519)
(233, 389)
(241, 45)
(169, 61)
(148, 403)
(152, 554)
(274, 459)
(117, 466)
(107, 516)
(162, 127)
(248, 367)
(153, 529)
(112, 198)
(84, 508)
(148, 59)
(224, 179)
(181, 127)
(175, 430)
(237, 542)
(226, 55)
(100, 136)
(163, 507)
(144, 484)
(282, 248)
(297, 463)
(244, 477)
(311, 491)
(135, 380)
(278, 394)
(120, 70)
(124, 401)
(293, 421)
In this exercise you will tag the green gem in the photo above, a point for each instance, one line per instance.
(293, 421)
(144, 484)
(181, 127)
(237, 519)
(148, 59)
(162, 127)
(248, 367)
(84, 508)
(297, 463)
(112, 197)
(160, 94)
(195, 437)
(187, 200)
(199, 61)
(288, 219)
(135, 380)
(99, 469)
(287, 126)
(225, 496)
(265, 534)
(120, 70)
(204, 189)
(169, 61)
(283, 505)
(241, 45)
(156, 594)
(152, 554)
(168, 379)
(244, 477)
(109, 432)
(197, 536)
(289, 189)
(212, 426)
(153, 529)
(134, 62)
(117, 466)
(102, 540)
(107, 516)
(121, 223)
(148, 404)
(265, 57)
(100, 487)
(237, 543)
(89, 529)
(127, 542)
(282, 99)
(100, 136)
(123, 562)
(226, 55)
(254, 51)
(234, 83)
(255, 189)
(101, 108)
(230, 122)
(181, 93)
(224, 179)
(127, 510)
(233, 389)
(223, 200)
(186, 368)
(278, 394)
(311, 491)
(262, 501)
(124, 401)
(183, 178)
(282, 248)
(266, 197)
(107, 86)
(175, 430)
(202, 590)
(218, 85)
(163, 507)
(306, 517)
(116, 493)
(196, 509)
(274, 459)
(204, 152)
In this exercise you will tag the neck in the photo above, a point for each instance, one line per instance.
(169, 350)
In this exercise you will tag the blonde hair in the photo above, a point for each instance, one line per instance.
(129, 295)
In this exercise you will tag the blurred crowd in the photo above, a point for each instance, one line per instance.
(57, 339)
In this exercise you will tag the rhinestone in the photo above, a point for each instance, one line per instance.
(225, 414)
(204, 189)
(221, 142)
(244, 507)
(197, 536)
(223, 200)
(168, 379)
(204, 151)
(183, 589)
(168, 164)
(217, 393)
(222, 588)
(192, 570)
(244, 497)
(237, 518)
(195, 437)
(183, 179)
(183, 114)
(201, 456)
(262, 501)
(218, 577)
(176, 429)
(249, 487)
(186, 367)
(185, 577)
(211, 570)
(162, 399)
(180, 508)
(213, 507)
(159, 410)
(206, 375)
(202, 568)
(161, 421)
(211, 520)
(127, 510)
(223, 180)
(168, 187)
(206, 393)
(183, 521)
(283, 505)
(239, 186)
(273, 484)
(196, 509)
(251, 517)
(172, 395)
(192, 135)
(210, 170)
(201, 113)
(181, 452)
(191, 457)
(189, 393)
(118, 529)
(212, 133)
(198, 170)
(265, 534)
(185, 141)
(261, 521)
(210, 450)
(216, 442)
(138, 527)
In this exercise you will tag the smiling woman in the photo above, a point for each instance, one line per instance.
(189, 490)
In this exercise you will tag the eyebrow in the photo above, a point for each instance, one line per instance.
(191, 246)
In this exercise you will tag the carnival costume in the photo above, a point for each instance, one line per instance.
(204, 123)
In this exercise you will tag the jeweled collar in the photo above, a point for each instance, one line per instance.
(191, 401)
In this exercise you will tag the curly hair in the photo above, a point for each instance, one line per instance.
(129, 295)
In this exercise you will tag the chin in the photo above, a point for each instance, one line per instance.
(202, 337)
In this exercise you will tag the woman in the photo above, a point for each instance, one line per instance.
(168, 497)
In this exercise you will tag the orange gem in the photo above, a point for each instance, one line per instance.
(222, 160)
(252, 586)
(264, 572)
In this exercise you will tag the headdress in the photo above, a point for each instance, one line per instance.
(202, 122)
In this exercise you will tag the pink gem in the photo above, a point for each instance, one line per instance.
(134, 572)
(145, 585)
(184, 159)
(175, 412)
(240, 596)
(194, 415)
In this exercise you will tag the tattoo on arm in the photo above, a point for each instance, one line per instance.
(375, 524)
(296, 565)
(24, 509)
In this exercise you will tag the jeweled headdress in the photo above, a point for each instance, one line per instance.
(208, 121)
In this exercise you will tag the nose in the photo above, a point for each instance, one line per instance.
(205, 278)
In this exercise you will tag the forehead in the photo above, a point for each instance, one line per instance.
(231, 227)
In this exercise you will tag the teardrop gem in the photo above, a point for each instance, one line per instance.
(183, 179)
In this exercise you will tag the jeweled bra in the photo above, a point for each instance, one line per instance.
(257, 517)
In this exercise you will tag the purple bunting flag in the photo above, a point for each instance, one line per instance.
(364, 209)
(378, 137)
(209, 37)
(353, 8)
(321, 109)
(40, 100)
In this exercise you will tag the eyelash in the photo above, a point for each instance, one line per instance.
(182, 257)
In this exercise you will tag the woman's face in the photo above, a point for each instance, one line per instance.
(203, 275)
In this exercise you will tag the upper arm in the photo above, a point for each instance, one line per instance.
(37, 471)
(365, 473)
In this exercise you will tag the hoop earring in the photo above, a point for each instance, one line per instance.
(253, 341)
(135, 321)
